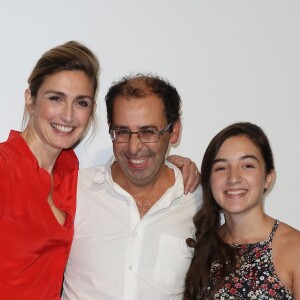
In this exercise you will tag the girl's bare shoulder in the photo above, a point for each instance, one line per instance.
(286, 258)
(287, 241)
(287, 233)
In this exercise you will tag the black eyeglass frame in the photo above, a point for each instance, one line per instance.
(157, 132)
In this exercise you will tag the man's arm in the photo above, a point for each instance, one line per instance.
(189, 170)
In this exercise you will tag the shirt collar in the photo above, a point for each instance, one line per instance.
(103, 173)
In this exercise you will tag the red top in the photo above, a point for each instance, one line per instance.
(34, 247)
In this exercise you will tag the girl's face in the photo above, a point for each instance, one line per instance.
(238, 178)
(60, 113)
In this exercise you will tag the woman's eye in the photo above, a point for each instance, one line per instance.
(84, 103)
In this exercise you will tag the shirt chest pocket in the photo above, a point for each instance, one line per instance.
(173, 260)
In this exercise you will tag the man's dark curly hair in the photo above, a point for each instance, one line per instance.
(140, 86)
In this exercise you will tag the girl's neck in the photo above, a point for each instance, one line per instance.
(246, 230)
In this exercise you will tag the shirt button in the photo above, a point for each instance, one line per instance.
(130, 267)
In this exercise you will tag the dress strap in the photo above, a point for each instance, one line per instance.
(275, 226)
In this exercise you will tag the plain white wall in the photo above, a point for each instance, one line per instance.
(230, 61)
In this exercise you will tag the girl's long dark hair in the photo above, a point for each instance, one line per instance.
(208, 246)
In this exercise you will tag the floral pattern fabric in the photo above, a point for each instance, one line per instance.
(255, 278)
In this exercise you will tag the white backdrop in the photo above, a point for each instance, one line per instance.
(230, 61)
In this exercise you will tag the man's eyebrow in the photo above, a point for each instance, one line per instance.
(148, 127)
(140, 128)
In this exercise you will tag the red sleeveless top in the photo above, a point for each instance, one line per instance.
(34, 247)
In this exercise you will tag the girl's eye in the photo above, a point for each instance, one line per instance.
(248, 166)
(219, 169)
(54, 98)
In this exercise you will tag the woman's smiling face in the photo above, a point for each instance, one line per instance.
(61, 111)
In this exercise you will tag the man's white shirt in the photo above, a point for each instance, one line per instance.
(115, 254)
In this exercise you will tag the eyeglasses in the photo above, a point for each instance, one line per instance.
(148, 135)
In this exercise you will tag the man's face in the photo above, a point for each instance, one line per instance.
(142, 163)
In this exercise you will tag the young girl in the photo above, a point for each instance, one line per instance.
(252, 255)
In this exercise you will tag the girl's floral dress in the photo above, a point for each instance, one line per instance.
(255, 278)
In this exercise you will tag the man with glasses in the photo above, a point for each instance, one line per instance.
(133, 217)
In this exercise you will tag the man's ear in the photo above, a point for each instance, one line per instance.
(29, 103)
(175, 132)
